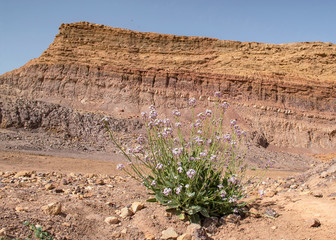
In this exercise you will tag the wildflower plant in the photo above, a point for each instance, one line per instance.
(196, 169)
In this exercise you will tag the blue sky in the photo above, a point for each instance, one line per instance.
(27, 27)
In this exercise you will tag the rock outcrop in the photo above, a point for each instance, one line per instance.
(285, 93)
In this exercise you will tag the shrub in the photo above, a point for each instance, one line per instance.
(195, 170)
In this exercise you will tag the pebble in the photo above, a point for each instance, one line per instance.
(49, 186)
(137, 206)
(274, 227)
(125, 212)
(254, 213)
(314, 222)
(271, 212)
(3, 232)
(149, 236)
(21, 209)
(318, 195)
(23, 174)
(112, 220)
(197, 232)
(185, 236)
(52, 208)
(169, 233)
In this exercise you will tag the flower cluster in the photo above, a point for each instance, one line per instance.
(197, 174)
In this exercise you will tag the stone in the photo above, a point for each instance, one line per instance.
(125, 212)
(21, 209)
(3, 232)
(185, 236)
(271, 212)
(52, 208)
(274, 227)
(137, 206)
(149, 236)
(254, 213)
(197, 232)
(318, 195)
(210, 224)
(112, 220)
(23, 174)
(169, 233)
(314, 222)
(49, 186)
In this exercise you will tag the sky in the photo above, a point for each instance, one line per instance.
(27, 27)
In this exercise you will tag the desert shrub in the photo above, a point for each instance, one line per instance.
(196, 169)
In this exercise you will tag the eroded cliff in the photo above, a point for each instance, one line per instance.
(285, 92)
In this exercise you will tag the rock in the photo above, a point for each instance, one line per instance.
(3, 232)
(112, 220)
(169, 233)
(314, 222)
(149, 236)
(274, 227)
(125, 212)
(271, 212)
(49, 186)
(100, 182)
(197, 232)
(137, 206)
(23, 174)
(21, 209)
(254, 213)
(52, 208)
(185, 236)
(318, 195)
(210, 224)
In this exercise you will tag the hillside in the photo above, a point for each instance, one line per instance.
(285, 93)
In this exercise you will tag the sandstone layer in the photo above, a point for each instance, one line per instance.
(285, 93)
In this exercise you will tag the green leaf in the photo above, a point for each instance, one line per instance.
(160, 198)
(182, 216)
(195, 219)
(151, 200)
(204, 212)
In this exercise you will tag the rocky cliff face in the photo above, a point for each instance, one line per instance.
(285, 93)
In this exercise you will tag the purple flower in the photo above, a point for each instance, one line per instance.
(208, 112)
(218, 94)
(144, 115)
(120, 166)
(201, 116)
(225, 105)
(167, 122)
(138, 149)
(233, 122)
(153, 114)
(233, 199)
(198, 140)
(178, 124)
(178, 189)
(191, 173)
(213, 157)
(192, 102)
(154, 183)
(220, 186)
(186, 186)
(179, 169)
(159, 166)
(203, 154)
(141, 140)
(209, 141)
(223, 194)
(177, 151)
(167, 191)
(152, 107)
(176, 113)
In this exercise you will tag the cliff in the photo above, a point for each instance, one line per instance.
(284, 92)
